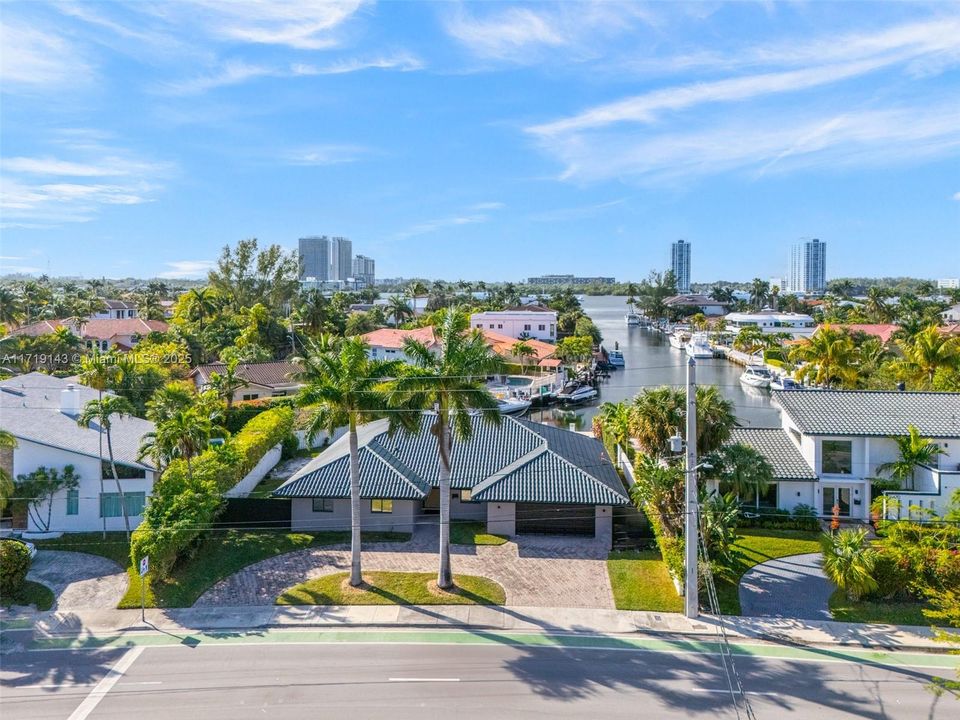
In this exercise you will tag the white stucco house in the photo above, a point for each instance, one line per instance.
(41, 412)
(831, 443)
(115, 310)
(531, 321)
(798, 325)
(518, 477)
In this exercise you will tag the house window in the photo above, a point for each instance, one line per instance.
(499, 326)
(110, 504)
(752, 499)
(104, 345)
(129, 313)
(381, 505)
(836, 457)
(251, 396)
(124, 472)
(491, 326)
(280, 393)
(541, 328)
(526, 327)
(466, 495)
(73, 501)
(323, 504)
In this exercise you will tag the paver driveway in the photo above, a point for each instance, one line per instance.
(793, 586)
(536, 571)
(79, 580)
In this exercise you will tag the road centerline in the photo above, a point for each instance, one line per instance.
(421, 680)
(106, 683)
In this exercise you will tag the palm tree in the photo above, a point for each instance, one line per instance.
(98, 371)
(314, 312)
(915, 450)
(7, 442)
(347, 388)
(759, 292)
(842, 288)
(830, 357)
(848, 562)
(749, 339)
(451, 383)
(101, 411)
(184, 434)
(612, 421)
(400, 309)
(722, 294)
(10, 307)
(523, 350)
(876, 306)
(743, 469)
(929, 350)
(227, 382)
(203, 304)
(417, 290)
(659, 413)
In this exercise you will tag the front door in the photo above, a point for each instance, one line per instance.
(836, 496)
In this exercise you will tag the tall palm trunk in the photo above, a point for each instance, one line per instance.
(356, 576)
(100, 458)
(444, 575)
(116, 479)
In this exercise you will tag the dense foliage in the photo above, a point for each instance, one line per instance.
(14, 566)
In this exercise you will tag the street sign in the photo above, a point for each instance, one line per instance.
(144, 565)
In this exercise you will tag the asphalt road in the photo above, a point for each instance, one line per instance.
(461, 681)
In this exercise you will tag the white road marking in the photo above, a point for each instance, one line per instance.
(106, 683)
(726, 691)
(424, 679)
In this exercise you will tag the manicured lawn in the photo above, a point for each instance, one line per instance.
(32, 593)
(220, 555)
(640, 581)
(394, 588)
(473, 533)
(267, 486)
(757, 546)
(884, 611)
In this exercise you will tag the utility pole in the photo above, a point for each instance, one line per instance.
(691, 520)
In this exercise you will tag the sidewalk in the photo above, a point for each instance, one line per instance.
(98, 623)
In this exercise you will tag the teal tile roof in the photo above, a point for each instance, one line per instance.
(778, 449)
(515, 461)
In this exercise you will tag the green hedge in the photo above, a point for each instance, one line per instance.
(186, 499)
(803, 517)
(14, 566)
(241, 413)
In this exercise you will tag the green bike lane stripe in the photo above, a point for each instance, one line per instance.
(513, 639)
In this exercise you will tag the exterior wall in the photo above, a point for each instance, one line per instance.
(790, 494)
(603, 525)
(514, 323)
(260, 470)
(28, 456)
(502, 518)
(402, 519)
(466, 510)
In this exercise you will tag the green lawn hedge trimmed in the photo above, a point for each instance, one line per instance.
(187, 497)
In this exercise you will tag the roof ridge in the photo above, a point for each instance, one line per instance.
(508, 470)
(376, 448)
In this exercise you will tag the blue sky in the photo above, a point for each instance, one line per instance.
(482, 141)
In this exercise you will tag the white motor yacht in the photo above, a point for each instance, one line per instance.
(615, 357)
(508, 402)
(699, 346)
(756, 376)
(574, 393)
(678, 339)
(785, 383)
(633, 318)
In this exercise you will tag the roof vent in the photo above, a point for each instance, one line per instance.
(70, 400)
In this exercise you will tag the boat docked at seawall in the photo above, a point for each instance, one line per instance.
(633, 319)
(756, 376)
(615, 358)
(508, 401)
(699, 346)
(783, 382)
(574, 393)
(678, 339)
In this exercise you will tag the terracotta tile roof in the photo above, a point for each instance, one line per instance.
(44, 327)
(394, 337)
(106, 329)
(884, 331)
(503, 345)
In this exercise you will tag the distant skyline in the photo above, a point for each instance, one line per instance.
(482, 140)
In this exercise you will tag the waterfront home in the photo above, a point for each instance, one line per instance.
(101, 334)
(261, 379)
(518, 477)
(529, 321)
(698, 303)
(115, 310)
(951, 314)
(770, 321)
(882, 331)
(832, 442)
(41, 412)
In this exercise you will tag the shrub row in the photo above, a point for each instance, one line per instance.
(14, 566)
(803, 517)
(187, 498)
(244, 411)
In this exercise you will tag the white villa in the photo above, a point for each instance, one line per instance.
(769, 321)
(831, 443)
(115, 310)
(531, 321)
(41, 412)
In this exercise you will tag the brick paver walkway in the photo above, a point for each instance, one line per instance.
(793, 587)
(79, 580)
(537, 571)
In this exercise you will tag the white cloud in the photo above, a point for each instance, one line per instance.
(575, 213)
(403, 62)
(956, 196)
(487, 206)
(301, 24)
(505, 33)
(231, 72)
(36, 58)
(187, 269)
(325, 154)
(473, 215)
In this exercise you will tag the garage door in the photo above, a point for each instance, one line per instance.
(534, 518)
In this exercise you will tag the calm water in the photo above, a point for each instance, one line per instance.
(650, 362)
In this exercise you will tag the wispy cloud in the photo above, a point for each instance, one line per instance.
(230, 72)
(402, 62)
(956, 196)
(575, 213)
(38, 191)
(36, 58)
(505, 33)
(187, 269)
(473, 215)
(325, 154)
